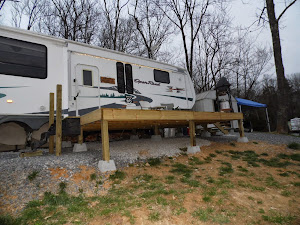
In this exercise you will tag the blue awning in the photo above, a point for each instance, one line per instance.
(241, 101)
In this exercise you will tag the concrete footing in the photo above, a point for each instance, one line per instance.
(231, 131)
(80, 148)
(219, 133)
(205, 134)
(156, 138)
(105, 166)
(134, 137)
(193, 149)
(242, 140)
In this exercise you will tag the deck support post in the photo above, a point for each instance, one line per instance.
(80, 137)
(105, 140)
(51, 121)
(193, 148)
(192, 133)
(242, 137)
(58, 119)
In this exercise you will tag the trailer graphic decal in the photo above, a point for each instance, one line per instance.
(2, 95)
(172, 96)
(176, 89)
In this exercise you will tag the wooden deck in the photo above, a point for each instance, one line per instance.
(125, 119)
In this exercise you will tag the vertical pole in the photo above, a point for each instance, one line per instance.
(58, 119)
(80, 137)
(240, 108)
(105, 140)
(51, 121)
(156, 130)
(192, 133)
(241, 128)
(268, 121)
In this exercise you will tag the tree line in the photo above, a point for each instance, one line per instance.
(196, 34)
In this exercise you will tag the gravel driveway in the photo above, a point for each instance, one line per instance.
(258, 136)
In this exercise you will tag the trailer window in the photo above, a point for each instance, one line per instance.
(22, 58)
(161, 76)
(87, 77)
(120, 77)
(129, 81)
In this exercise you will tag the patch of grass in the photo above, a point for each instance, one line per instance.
(262, 211)
(232, 144)
(154, 216)
(154, 161)
(144, 178)
(296, 184)
(251, 198)
(203, 214)
(195, 161)
(259, 202)
(294, 145)
(33, 175)
(190, 182)
(271, 182)
(212, 155)
(180, 168)
(240, 168)
(284, 174)
(170, 179)
(295, 157)
(93, 176)
(225, 169)
(278, 218)
(162, 201)
(184, 149)
(62, 187)
(179, 211)
(254, 142)
(264, 154)
(207, 198)
(120, 175)
(219, 151)
(9, 220)
(275, 162)
(286, 193)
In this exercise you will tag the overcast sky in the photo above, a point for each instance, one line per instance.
(245, 14)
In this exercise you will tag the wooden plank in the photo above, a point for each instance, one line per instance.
(80, 137)
(192, 133)
(91, 117)
(31, 154)
(230, 116)
(241, 128)
(218, 125)
(51, 121)
(58, 119)
(105, 140)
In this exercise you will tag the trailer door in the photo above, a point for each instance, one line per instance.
(87, 89)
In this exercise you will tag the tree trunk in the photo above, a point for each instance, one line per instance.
(282, 117)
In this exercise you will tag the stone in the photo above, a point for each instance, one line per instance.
(193, 149)
(242, 140)
(66, 144)
(134, 137)
(205, 134)
(156, 138)
(80, 148)
(219, 133)
(105, 166)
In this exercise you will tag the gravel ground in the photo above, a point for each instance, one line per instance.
(74, 169)
(258, 136)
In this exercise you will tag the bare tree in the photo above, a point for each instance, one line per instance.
(28, 10)
(281, 79)
(153, 27)
(187, 16)
(71, 19)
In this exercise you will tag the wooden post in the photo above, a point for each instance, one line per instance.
(241, 128)
(192, 133)
(58, 119)
(51, 121)
(105, 140)
(80, 137)
(156, 130)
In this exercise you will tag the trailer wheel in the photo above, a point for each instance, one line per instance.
(12, 134)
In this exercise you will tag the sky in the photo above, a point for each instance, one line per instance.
(244, 12)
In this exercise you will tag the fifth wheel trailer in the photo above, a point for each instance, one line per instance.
(32, 64)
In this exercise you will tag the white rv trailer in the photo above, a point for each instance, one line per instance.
(32, 64)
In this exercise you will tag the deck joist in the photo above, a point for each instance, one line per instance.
(141, 119)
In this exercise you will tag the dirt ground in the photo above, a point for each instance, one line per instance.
(248, 198)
